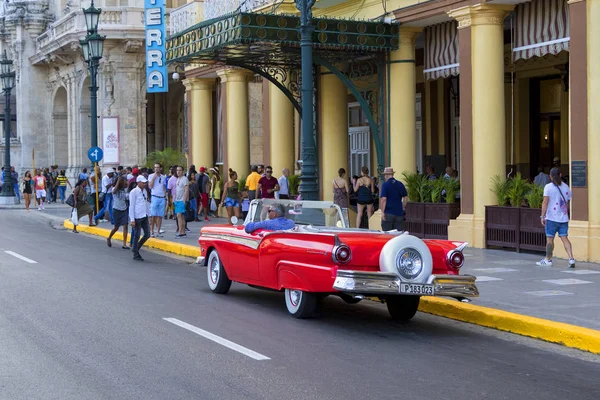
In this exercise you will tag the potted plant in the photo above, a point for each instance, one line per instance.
(294, 183)
(510, 224)
(452, 188)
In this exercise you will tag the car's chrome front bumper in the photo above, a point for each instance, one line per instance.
(375, 283)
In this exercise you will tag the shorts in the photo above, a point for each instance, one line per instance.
(553, 227)
(204, 199)
(229, 202)
(157, 206)
(365, 202)
(40, 193)
(179, 207)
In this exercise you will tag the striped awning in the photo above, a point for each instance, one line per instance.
(441, 50)
(541, 28)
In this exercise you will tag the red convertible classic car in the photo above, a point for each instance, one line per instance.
(322, 256)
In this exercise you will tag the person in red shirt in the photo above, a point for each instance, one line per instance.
(40, 189)
(267, 185)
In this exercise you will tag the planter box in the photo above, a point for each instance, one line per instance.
(430, 220)
(514, 227)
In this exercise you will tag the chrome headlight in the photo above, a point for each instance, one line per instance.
(409, 263)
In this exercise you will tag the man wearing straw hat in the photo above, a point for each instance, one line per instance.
(392, 202)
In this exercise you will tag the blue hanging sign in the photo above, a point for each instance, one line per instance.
(157, 79)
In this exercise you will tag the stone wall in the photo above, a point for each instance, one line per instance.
(255, 98)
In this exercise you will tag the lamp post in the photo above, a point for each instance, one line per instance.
(7, 75)
(308, 175)
(93, 47)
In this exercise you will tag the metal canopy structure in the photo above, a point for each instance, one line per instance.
(269, 45)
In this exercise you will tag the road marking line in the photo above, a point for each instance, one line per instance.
(566, 281)
(20, 257)
(496, 269)
(581, 272)
(545, 293)
(488, 279)
(218, 339)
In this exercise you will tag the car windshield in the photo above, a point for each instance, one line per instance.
(316, 213)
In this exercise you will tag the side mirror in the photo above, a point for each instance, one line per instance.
(234, 220)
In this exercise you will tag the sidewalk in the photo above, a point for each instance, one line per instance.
(506, 280)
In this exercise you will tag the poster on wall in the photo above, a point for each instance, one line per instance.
(110, 140)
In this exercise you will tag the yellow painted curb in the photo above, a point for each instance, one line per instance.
(550, 331)
(176, 248)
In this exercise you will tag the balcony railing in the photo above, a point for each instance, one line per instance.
(216, 8)
(185, 16)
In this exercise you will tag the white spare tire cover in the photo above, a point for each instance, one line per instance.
(408, 257)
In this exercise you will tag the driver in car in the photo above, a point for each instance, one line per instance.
(276, 222)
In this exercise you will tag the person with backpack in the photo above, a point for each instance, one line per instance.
(555, 216)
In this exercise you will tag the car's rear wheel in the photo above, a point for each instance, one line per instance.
(218, 281)
(300, 304)
(402, 308)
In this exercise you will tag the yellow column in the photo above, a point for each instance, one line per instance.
(593, 63)
(334, 131)
(403, 81)
(488, 113)
(238, 124)
(201, 124)
(282, 131)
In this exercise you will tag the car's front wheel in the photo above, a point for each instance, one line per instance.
(218, 281)
(402, 308)
(300, 304)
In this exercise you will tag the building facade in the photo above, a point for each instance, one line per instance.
(489, 88)
(52, 86)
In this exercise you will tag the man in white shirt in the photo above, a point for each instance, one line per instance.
(181, 197)
(138, 216)
(158, 190)
(284, 185)
(107, 184)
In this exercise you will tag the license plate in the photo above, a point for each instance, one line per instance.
(411, 288)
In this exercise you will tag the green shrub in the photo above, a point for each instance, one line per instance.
(437, 187)
(241, 184)
(500, 187)
(517, 190)
(535, 196)
(412, 180)
(452, 187)
(167, 157)
(294, 184)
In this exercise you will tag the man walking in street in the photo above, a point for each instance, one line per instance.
(40, 186)
(138, 216)
(555, 216)
(107, 184)
(392, 202)
(204, 189)
(158, 190)
(284, 185)
(181, 197)
(15, 181)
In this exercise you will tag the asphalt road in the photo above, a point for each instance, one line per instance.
(87, 322)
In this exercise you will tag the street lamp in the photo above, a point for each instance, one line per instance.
(7, 75)
(92, 47)
(308, 175)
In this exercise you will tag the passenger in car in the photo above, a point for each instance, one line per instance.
(276, 222)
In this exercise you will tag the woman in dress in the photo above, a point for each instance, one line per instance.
(81, 203)
(340, 189)
(363, 187)
(215, 188)
(27, 191)
(120, 211)
(231, 195)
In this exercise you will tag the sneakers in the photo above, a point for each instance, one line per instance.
(571, 263)
(161, 231)
(544, 263)
(152, 235)
(178, 236)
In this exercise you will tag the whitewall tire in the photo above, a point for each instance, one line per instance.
(218, 281)
(300, 304)
(408, 257)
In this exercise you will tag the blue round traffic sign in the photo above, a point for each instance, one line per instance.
(95, 154)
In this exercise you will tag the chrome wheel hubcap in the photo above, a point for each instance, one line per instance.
(295, 297)
(409, 263)
(214, 271)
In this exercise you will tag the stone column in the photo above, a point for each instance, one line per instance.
(238, 128)
(334, 130)
(200, 136)
(403, 82)
(281, 113)
(484, 154)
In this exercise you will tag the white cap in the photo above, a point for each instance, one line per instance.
(109, 171)
(141, 178)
